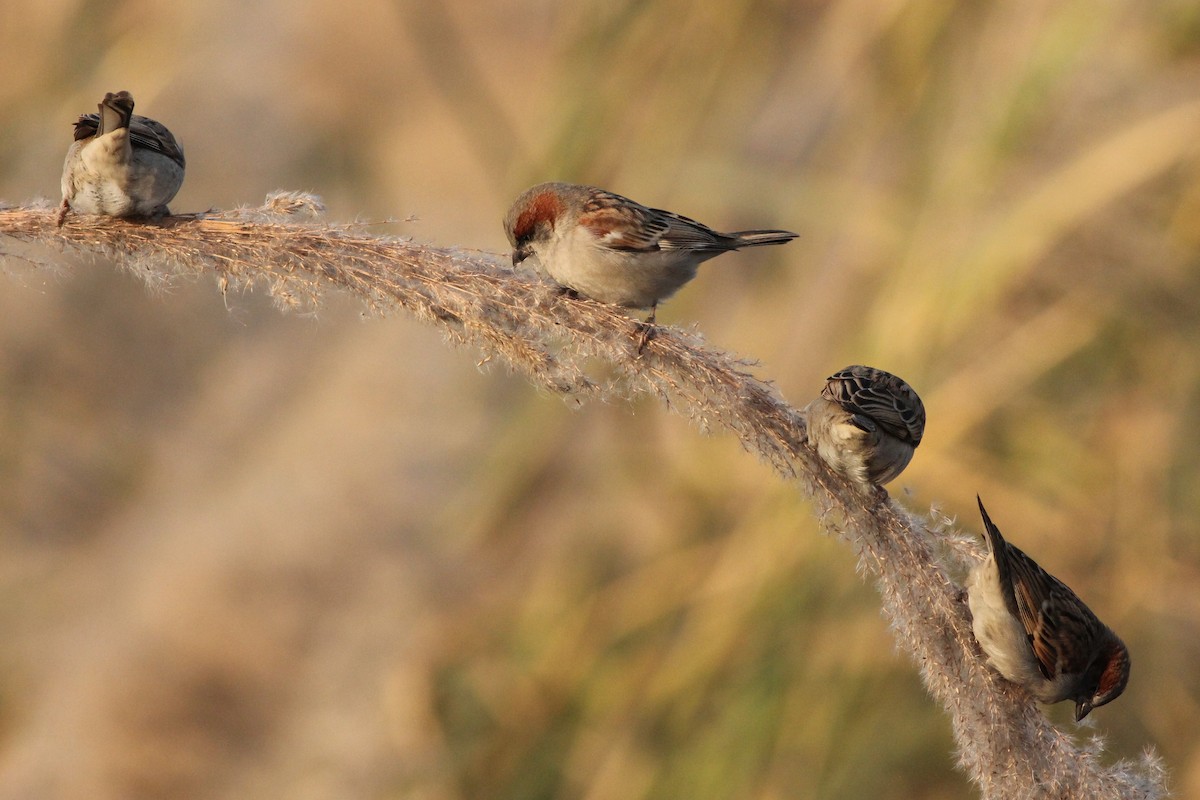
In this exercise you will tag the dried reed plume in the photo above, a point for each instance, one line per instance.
(587, 349)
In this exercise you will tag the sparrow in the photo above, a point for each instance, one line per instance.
(866, 424)
(120, 164)
(1037, 633)
(609, 248)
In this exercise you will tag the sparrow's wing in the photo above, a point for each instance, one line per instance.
(622, 224)
(683, 233)
(143, 132)
(888, 401)
(153, 135)
(1062, 629)
(1069, 632)
(1037, 607)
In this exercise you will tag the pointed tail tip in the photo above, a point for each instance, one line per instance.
(116, 111)
(983, 511)
(756, 238)
(992, 532)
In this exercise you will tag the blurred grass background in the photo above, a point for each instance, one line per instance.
(248, 554)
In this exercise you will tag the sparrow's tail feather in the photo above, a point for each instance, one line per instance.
(1003, 555)
(116, 110)
(994, 539)
(756, 238)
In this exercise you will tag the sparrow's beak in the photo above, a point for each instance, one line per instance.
(521, 253)
(1082, 709)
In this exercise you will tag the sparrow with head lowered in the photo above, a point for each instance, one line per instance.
(1037, 633)
(866, 424)
(609, 248)
(120, 164)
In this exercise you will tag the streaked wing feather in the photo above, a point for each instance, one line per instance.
(153, 135)
(622, 224)
(1076, 651)
(1061, 628)
(688, 234)
(1032, 590)
(889, 402)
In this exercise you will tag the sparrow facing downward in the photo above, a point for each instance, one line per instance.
(120, 164)
(611, 249)
(866, 424)
(1037, 633)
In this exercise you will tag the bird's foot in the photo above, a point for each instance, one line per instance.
(647, 330)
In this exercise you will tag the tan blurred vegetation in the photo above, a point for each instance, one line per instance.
(260, 555)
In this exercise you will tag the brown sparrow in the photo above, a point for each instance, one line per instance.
(1037, 633)
(120, 164)
(612, 249)
(866, 424)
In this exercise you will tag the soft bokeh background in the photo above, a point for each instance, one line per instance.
(255, 555)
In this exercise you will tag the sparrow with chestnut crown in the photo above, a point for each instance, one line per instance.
(1037, 633)
(609, 248)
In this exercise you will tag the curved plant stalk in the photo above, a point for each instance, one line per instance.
(590, 350)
